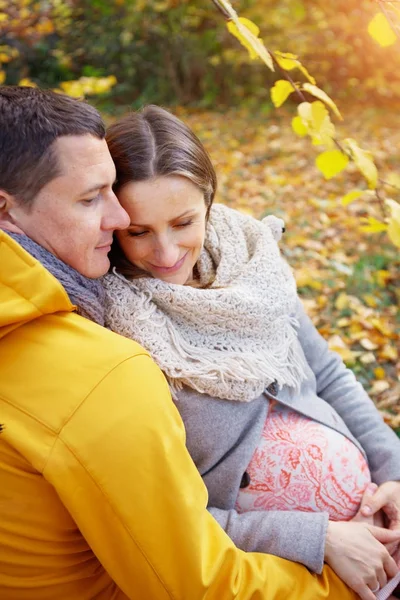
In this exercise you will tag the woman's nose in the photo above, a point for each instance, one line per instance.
(166, 253)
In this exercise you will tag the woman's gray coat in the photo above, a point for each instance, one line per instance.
(223, 435)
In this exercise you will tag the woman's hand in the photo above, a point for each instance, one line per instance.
(387, 498)
(355, 551)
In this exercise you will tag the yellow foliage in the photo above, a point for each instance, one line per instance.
(370, 300)
(394, 222)
(44, 27)
(368, 344)
(27, 83)
(2, 77)
(351, 196)
(342, 301)
(337, 344)
(307, 277)
(289, 61)
(321, 95)
(381, 276)
(88, 86)
(247, 34)
(281, 91)
(298, 126)
(252, 27)
(372, 225)
(379, 373)
(389, 352)
(316, 120)
(380, 30)
(331, 162)
(364, 162)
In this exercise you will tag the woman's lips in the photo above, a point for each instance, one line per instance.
(172, 269)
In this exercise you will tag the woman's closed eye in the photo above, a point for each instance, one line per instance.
(145, 231)
(185, 224)
(137, 233)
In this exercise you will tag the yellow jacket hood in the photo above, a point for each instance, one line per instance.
(27, 290)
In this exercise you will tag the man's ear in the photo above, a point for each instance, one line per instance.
(7, 209)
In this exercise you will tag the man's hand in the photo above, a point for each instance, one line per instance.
(356, 552)
(386, 498)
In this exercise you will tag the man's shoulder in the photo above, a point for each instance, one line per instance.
(51, 365)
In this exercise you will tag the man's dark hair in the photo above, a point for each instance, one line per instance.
(31, 120)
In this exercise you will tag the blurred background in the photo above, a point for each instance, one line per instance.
(178, 52)
(121, 54)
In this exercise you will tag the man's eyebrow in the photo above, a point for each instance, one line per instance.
(95, 188)
(190, 211)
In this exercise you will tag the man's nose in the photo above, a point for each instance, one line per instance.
(117, 217)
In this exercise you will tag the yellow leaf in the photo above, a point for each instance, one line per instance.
(367, 358)
(342, 301)
(281, 91)
(372, 225)
(379, 373)
(286, 60)
(44, 27)
(344, 322)
(394, 222)
(351, 196)
(305, 277)
(321, 95)
(298, 126)
(389, 352)
(331, 162)
(252, 27)
(247, 34)
(378, 387)
(368, 344)
(382, 326)
(289, 61)
(337, 344)
(394, 180)
(380, 30)
(370, 300)
(3, 17)
(27, 83)
(316, 119)
(364, 162)
(2, 77)
(381, 277)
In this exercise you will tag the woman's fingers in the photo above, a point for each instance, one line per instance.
(365, 592)
(382, 577)
(390, 566)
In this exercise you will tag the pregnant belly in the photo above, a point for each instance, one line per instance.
(300, 464)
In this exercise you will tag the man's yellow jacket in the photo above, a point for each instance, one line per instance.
(99, 498)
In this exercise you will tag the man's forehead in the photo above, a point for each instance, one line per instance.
(82, 152)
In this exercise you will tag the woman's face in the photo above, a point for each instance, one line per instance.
(167, 226)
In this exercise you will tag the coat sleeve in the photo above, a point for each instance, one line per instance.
(338, 386)
(121, 468)
(274, 531)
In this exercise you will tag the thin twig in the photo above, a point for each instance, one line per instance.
(287, 76)
(381, 202)
(221, 9)
(392, 185)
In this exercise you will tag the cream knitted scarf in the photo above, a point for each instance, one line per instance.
(236, 333)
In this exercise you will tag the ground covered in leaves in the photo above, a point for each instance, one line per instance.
(349, 280)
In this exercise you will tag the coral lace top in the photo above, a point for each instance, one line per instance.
(303, 465)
